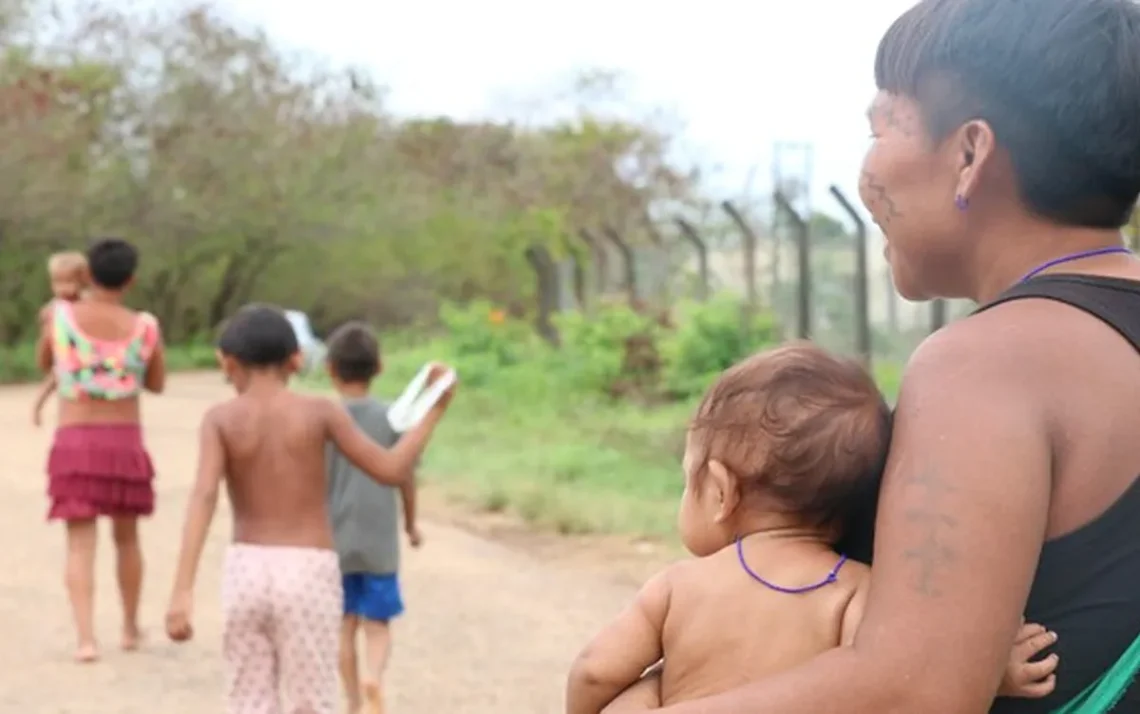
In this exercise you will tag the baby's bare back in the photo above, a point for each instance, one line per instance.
(275, 468)
(724, 629)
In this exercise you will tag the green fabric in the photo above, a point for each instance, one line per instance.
(1105, 693)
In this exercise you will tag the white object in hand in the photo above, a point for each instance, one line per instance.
(418, 399)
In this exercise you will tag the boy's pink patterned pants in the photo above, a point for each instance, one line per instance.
(282, 609)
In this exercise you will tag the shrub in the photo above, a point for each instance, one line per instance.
(484, 339)
(708, 339)
(613, 351)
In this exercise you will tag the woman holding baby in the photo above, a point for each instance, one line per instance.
(103, 355)
(1005, 159)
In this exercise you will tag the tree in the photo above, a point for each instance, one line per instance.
(242, 173)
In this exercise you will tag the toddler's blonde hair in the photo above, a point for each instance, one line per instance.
(71, 261)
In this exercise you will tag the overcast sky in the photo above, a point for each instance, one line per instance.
(741, 74)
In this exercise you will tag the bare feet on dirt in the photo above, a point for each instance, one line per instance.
(132, 638)
(87, 653)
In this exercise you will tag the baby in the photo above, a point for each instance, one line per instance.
(282, 598)
(68, 274)
(780, 447)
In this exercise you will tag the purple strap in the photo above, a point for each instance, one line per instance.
(831, 577)
(1071, 257)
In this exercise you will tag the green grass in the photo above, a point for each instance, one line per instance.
(526, 444)
(572, 464)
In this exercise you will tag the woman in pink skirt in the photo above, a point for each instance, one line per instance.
(103, 355)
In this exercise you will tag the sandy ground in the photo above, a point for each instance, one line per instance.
(492, 623)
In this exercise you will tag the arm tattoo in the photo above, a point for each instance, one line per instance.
(932, 521)
(880, 198)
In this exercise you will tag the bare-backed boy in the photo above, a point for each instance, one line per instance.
(781, 447)
(281, 592)
(365, 519)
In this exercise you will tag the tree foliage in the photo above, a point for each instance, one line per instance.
(245, 173)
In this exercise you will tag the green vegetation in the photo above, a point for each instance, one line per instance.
(245, 172)
(578, 440)
(587, 438)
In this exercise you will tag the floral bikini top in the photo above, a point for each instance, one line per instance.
(86, 368)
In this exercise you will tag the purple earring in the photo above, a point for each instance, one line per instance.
(961, 202)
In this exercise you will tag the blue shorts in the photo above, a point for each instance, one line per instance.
(372, 597)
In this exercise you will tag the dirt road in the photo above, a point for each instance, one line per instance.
(489, 628)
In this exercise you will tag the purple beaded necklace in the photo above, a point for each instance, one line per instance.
(1071, 257)
(831, 577)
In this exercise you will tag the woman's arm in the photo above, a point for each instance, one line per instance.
(645, 695)
(962, 520)
(155, 378)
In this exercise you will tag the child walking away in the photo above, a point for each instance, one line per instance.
(69, 278)
(364, 517)
(780, 447)
(281, 594)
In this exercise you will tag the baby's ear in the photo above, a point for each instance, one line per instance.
(727, 489)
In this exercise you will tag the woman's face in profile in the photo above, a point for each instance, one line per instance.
(908, 186)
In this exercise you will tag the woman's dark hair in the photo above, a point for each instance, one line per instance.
(354, 353)
(112, 262)
(1058, 80)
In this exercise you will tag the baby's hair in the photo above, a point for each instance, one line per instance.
(354, 353)
(71, 261)
(258, 336)
(806, 428)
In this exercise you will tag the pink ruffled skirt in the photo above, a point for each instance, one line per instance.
(99, 470)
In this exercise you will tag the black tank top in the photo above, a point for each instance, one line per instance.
(1087, 585)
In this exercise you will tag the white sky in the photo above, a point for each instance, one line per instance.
(741, 74)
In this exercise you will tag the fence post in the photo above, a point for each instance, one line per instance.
(694, 238)
(600, 259)
(803, 246)
(862, 281)
(748, 253)
(546, 283)
(628, 264)
(937, 315)
(661, 269)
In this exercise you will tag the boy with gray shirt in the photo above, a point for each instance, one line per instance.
(364, 518)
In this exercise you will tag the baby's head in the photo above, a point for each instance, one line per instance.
(68, 274)
(258, 338)
(789, 438)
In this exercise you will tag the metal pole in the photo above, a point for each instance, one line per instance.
(694, 238)
(803, 243)
(862, 299)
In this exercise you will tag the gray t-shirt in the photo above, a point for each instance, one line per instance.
(364, 514)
